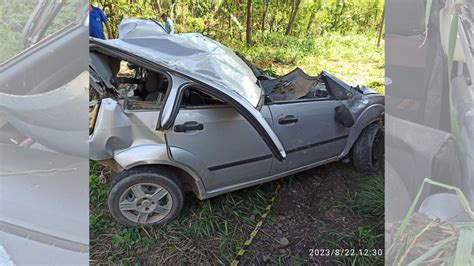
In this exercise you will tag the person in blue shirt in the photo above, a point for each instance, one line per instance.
(169, 26)
(96, 19)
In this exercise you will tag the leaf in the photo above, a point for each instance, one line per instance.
(464, 246)
(453, 33)
(431, 253)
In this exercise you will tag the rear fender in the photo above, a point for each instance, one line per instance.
(158, 154)
(112, 131)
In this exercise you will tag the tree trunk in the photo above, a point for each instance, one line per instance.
(249, 22)
(379, 38)
(157, 6)
(173, 12)
(265, 11)
(294, 12)
(272, 21)
(311, 21)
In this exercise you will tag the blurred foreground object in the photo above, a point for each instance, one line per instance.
(43, 134)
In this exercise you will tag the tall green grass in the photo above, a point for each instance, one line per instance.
(367, 201)
(364, 201)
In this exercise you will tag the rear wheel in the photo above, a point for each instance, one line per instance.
(368, 151)
(145, 196)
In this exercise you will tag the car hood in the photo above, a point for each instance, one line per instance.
(198, 57)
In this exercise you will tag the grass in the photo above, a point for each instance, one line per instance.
(15, 14)
(220, 225)
(421, 240)
(13, 17)
(365, 201)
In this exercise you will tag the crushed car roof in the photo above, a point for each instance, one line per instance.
(138, 27)
(198, 57)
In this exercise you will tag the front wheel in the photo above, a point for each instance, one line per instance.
(368, 151)
(145, 196)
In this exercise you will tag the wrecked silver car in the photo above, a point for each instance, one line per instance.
(179, 113)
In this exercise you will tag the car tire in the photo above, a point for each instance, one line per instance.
(368, 151)
(145, 196)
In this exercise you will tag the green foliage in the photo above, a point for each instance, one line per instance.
(15, 14)
(225, 18)
(99, 222)
(192, 25)
(222, 222)
(98, 192)
(354, 58)
(365, 201)
(368, 201)
(13, 17)
(127, 238)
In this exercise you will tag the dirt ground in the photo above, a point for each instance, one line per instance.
(304, 219)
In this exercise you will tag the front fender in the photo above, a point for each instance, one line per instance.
(367, 117)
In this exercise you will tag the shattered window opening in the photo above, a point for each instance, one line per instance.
(295, 86)
(194, 98)
(140, 87)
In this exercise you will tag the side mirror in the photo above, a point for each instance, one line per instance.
(344, 116)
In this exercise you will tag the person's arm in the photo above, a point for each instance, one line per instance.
(109, 30)
(107, 24)
(167, 27)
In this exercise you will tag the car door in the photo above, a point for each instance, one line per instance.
(220, 144)
(308, 131)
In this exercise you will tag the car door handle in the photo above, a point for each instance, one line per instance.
(289, 119)
(188, 126)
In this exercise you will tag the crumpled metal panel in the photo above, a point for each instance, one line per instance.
(198, 57)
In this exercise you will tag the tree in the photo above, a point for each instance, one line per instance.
(379, 37)
(313, 9)
(156, 5)
(310, 23)
(272, 21)
(264, 16)
(249, 22)
(294, 11)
